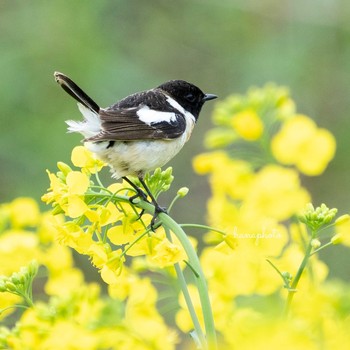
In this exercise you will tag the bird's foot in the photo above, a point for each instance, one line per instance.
(143, 196)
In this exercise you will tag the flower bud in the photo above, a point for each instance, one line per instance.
(287, 275)
(336, 239)
(182, 192)
(342, 219)
(15, 278)
(10, 286)
(2, 286)
(315, 243)
(64, 168)
(33, 268)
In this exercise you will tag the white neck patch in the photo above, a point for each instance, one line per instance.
(177, 106)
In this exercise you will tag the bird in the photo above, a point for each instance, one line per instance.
(140, 132)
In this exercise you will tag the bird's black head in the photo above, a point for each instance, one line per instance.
(189, 96)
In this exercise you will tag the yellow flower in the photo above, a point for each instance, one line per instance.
(110, 263)
(244, 271)
(233, 178)
(65, 334)
(301, 143)
(222, 213)
(248, 124)
(167, 253)
(83, 158)
(143, 319)
(22, 245)
(228, 176)
(317, 153)
(72, 235)
(74, 207)
(77, 183)
(128, 231)
(208, 162)
(56, 189)
(104, 215)
(127, 279)
(275, 193)
(71, 279)
(342, 229)
(68, 193)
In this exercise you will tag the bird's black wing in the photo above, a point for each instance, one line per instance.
(123, 121)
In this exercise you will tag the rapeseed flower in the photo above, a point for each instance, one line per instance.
(301, 143)
(248, 125)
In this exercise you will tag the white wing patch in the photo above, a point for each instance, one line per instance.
(150, 116)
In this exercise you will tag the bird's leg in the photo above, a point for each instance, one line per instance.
(139, 194)
(157, 208)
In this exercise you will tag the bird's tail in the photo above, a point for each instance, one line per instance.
(76, 92)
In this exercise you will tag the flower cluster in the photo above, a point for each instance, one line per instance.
(74, 314)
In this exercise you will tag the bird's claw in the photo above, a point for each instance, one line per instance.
(157, 210)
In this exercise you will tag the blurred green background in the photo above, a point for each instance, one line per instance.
(114, 48)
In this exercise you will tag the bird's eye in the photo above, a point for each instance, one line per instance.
(190, 97)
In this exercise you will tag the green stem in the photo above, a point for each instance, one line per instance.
(205, 227)
(174, 227)
(324, 246)
(14, 307)
(172, 203)
(286, 282)
(187, 296)
(297, 277)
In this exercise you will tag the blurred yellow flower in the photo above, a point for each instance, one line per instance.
(24, 212)
(228, 176)
(248, 124)
(301, 143)
(144, 321)
(20, 244)
(275, 193)
(342, 229)
(208, 162)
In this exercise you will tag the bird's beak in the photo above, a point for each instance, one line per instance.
(208, 97)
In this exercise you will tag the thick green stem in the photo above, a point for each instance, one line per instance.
(187, 297)
(174, 227)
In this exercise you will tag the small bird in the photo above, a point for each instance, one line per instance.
(142, 131)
